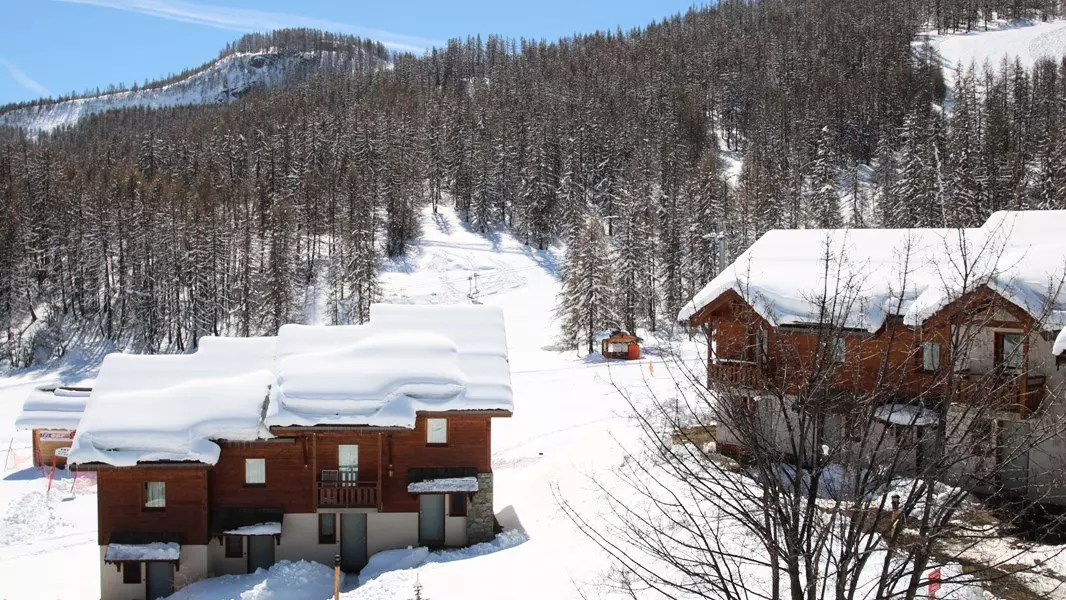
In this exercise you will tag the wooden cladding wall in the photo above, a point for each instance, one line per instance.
(120, 494)
(289, 478)
(469, 445)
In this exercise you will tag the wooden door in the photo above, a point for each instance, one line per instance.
(353, 542)
(159, 580)
(431, 520)
(260, 552)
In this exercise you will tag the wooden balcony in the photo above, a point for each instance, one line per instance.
(745, 374)
(362, 494)
(1011, 392)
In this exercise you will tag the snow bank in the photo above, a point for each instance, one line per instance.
(257, 529)
(285, 580)
(1023, 40)
(52, 407)
(911, 273)
(906, 414)
(446, 485)
(141, 552)
(412, 558)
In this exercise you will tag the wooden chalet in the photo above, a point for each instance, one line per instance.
(52, 414)
(621, 344)
(344, 449)
(764, 332)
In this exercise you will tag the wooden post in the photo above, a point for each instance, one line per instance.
(314, 470)
(336, 577)
(380, 457)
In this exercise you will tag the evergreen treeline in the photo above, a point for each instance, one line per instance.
(153, 228)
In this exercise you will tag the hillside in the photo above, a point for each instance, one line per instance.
(255, 61)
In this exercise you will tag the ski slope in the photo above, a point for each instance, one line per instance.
(568, 423)
(1025, 40)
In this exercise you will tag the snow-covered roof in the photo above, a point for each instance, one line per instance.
(147, 408)
(52, 407)
(1060, 343)
(273, 528)
(912, 273)
(155, 551)
(406, 359)
(906, 414)
(447, 485)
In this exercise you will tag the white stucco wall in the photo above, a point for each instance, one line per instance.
(192, 567)
(388, 531)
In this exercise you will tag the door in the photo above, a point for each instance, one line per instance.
(348, 463)
(431, 520)
(260, 552)
(1013, 456)
(353, 542)
(159, 580)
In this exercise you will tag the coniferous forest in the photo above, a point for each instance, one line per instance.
(151, 228)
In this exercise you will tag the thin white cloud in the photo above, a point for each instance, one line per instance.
(25, 80)
(246, 20)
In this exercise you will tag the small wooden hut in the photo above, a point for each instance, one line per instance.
(621, 344)
(52, 413)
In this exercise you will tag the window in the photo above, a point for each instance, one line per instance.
(348, 463)
(255, 471)
(436, 431)
(837, 348)
(155, 495)
(457, 505)
(930, 356)
(327, 528)
(131, 572)
(1009, 350)
(234, 546)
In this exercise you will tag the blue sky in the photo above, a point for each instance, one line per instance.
(51, 47)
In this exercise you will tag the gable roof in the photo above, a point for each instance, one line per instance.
(406, 359)
(870, 274)
(53, 407)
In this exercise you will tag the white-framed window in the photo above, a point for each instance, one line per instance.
(255, 471)
(436, 431)
(155, 494)
(930, 356)
(348, 463)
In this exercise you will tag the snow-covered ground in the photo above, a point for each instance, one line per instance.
(1026, 40)
(567, 424)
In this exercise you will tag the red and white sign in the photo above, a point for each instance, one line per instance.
(934, 582)
(56, 435)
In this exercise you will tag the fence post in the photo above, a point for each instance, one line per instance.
(336, 577)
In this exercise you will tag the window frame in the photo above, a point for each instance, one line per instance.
(255, 484)
(331, 538)
(464, 502)
(145, 497)
(128, 572)
(838, 350)
(231, 553)
(932, 349)
(429, 431)
(1002, 360)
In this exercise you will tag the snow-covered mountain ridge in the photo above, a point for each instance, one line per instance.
(225, 80)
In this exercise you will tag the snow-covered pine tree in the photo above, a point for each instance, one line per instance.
(822, 197)
(587, 295)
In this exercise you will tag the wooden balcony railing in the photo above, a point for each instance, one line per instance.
(348, 494)
(738, 373)
(1007, 391)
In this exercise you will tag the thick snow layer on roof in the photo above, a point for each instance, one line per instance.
(868, 274)
(1060, 343)
(257, 529)
(447, 485)
(906, 414)
(406, 359)
(170, 408)
(53, 408)
(141, 552)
